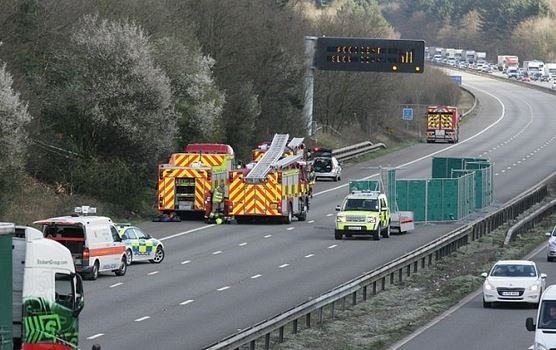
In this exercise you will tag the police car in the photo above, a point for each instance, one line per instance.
(140, 246)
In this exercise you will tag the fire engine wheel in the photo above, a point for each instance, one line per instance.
(94, 272)
(123, 267)
(303, 215)
(337, 235)
(128, 256)
(289, 217)
(158, 256)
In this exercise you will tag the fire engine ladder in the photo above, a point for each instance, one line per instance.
(295, 142)
(282, 163)
(263, 166)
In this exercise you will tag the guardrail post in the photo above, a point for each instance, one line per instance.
(430, 259)
(252, 344)
(320, 315)
(392, 278)
(332, 307)
(281, 334)
(294, 326)
(374, 288)
(400, 275)
(415, 265)
(423, 262)
(354, 298)
(343, 303)
(267, 341)
(383, 283)
(365, 293)
(408, 270)
(308, 320)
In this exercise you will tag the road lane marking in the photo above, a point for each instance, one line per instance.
(332, 246)
(223, 288)
(309, 255)
(310, 221)
(185, 262)
(187, 302)
(217, 252)
(329, 214)
(152, 273)
(242, 244)
(267, 236)
(290, 228)
(186, 232)
(95, 336)
(283, 265)
(116, 284)
(141, 319)
(256, 276)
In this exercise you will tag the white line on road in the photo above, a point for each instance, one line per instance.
(283, 265)
(267, 236)
(333, 246)
(185, 262)
(142, 318)
(187, 302)
(290, 228)
(255, 276)
(223, 288)
(309, 255)
(152, 273)
(186, 232)
(242, 244)
(95, 336)
(310, 221)
(116, 284)
(217, 252)
(329, 214)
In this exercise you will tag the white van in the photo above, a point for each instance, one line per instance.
(545, 327)
(94, 243)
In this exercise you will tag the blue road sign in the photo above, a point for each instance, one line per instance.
(407, 114)
(456, 79)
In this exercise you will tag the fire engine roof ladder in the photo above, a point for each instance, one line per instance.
(263, 166)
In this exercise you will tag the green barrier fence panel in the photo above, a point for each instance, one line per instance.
(364, 185)
(483, 183)
(443, 166)
(6, 233)
(411, 195)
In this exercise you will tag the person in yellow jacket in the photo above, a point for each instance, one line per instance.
(217, 201)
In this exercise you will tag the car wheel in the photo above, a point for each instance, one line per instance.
(548, 258)
(377, 233)
(337, 235)
(94, 272)
(158, 255)
(486, 305)
(386, 233)
(123, 267)
(129, 256)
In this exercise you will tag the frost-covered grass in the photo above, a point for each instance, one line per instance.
(402, 308)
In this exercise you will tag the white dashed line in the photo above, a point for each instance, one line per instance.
(310, 221)
(116, 284)
(185, 262)
(309, 255)
(329, 214)
(242, 244)
(217, 252)
(95, 336)
(256, 276)
(223, 288)
(503, 171)
(187, 302)
(333, 246)
(290, 228)
(267, 236)
(142, 318)
(152, 273)
(496, 174)
(283, 265)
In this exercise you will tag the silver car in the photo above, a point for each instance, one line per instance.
(327, 167)
(551, 251)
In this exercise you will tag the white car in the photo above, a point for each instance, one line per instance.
(513, 281)
(551, 251)
(327, 167)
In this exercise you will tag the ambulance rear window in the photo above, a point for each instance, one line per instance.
(57, 231)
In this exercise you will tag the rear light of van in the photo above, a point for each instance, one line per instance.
(85, 259)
